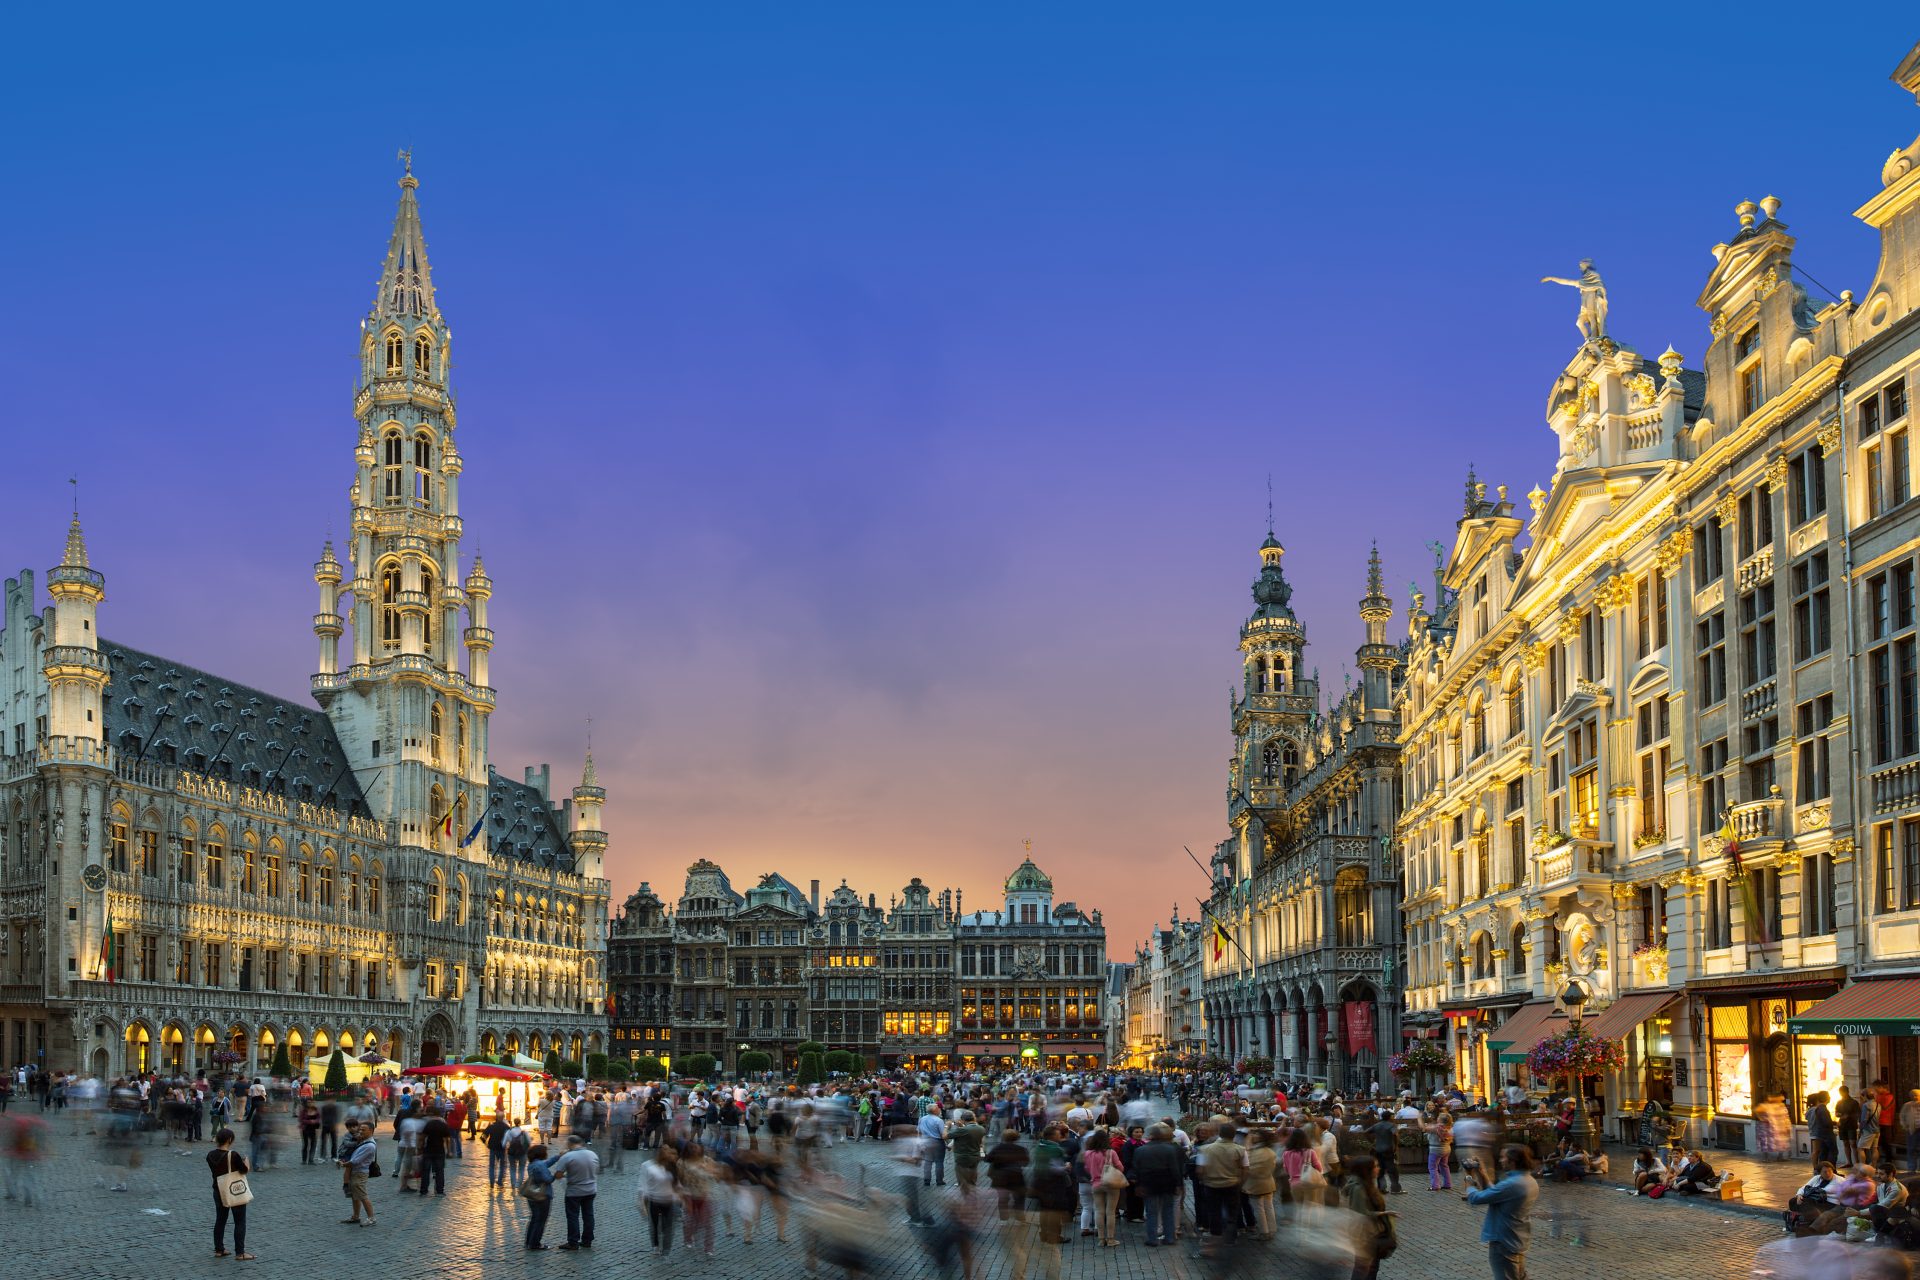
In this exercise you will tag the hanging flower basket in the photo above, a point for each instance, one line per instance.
(1575, 1052)
(1422, 1055)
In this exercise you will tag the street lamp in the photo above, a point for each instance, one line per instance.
(1573, 998)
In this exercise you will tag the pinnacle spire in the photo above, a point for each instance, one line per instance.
(406, 284)
(76, 557)
(1376, 583)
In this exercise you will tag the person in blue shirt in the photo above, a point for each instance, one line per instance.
(1509, 1204)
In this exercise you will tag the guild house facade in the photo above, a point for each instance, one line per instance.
(1660, 728)
(194, 873)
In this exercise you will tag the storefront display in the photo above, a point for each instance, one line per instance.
(1733, 1079)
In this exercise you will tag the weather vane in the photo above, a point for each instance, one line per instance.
(406, 157)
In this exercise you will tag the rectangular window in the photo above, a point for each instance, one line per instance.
(1758, 661)
(1713, 785)
(1887, 895)
(1812, 607)
(1910, 861)
(1899, 478)
(1710, 650)
(1749, 390)
(216, 863)
(1869, 417)
(1871, 478)
(183, 968)
(432, 982)
(1761, 737)
(1816, 895)
(147, 854)
(1811, 722)
(148, 967)
(212, 969)
(1709, 553)
(1719, 923)
(116, 846)
(1651, 916)
(1896, 400)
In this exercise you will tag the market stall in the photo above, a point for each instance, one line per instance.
(507, 1090)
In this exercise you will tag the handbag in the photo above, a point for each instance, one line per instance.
(1113, 1176)
(232, 1187)
(531, 1190)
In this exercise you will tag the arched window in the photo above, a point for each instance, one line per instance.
(436, 811)
(1270, 763)
(434, 719)
(1482, 956)
(423, 468)
(326, 880)
(373, 889)
(436, 897)
(460, 743)
(1516, 706)
(1479, 725)
(396, 348)
(392, 454)
(353, 883)
(422, 354)
(459, 899)
(1517, 952)
(390, 607)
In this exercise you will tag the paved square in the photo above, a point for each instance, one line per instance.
(161, 1227)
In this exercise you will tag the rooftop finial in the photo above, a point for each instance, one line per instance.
(406, 158)
(1269, 504)
(1473, 490)
(1376, 584)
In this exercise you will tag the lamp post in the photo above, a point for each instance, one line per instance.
(1483, 1025)
(1574, 997)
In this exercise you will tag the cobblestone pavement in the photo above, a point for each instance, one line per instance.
(161, 1227)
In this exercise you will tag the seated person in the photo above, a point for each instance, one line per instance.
(1812, 1199)
(1648, 1171)
(1571, 1163)
(1891, 1197)
(1692, 1175)
(1856, 1189)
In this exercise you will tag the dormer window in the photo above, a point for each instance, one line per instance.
(396, 348)
(422, 354)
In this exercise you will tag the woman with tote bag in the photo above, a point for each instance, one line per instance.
(231, 1194)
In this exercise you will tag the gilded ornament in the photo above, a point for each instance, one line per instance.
(1829, 437)
(1777, 474)
(1614, 594)
(1570, 623)
(1728, 509)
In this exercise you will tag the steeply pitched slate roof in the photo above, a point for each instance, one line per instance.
(190, 719)
(521, 824)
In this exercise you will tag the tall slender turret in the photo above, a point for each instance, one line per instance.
(413, 724)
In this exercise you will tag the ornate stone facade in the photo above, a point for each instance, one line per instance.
(917, 983)
(1305, 888)
(192, 868)
(1650, 729)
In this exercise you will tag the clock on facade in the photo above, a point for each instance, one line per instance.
(94, 877)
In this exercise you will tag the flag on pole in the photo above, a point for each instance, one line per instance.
(1221, 940)
(474, 834)
(109, 961)
(446, 825)
(1748, 897)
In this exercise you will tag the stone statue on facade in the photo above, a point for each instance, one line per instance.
(1592, 321)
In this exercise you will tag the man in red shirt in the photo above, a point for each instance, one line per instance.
(456, 1117)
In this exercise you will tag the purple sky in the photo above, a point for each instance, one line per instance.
(867, 420)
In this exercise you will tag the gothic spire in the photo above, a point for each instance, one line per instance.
(1376, 582)
(406, 285)
(76, 557)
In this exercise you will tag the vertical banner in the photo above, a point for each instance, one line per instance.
(1360, 1026)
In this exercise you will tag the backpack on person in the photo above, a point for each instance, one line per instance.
(517, 1144)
